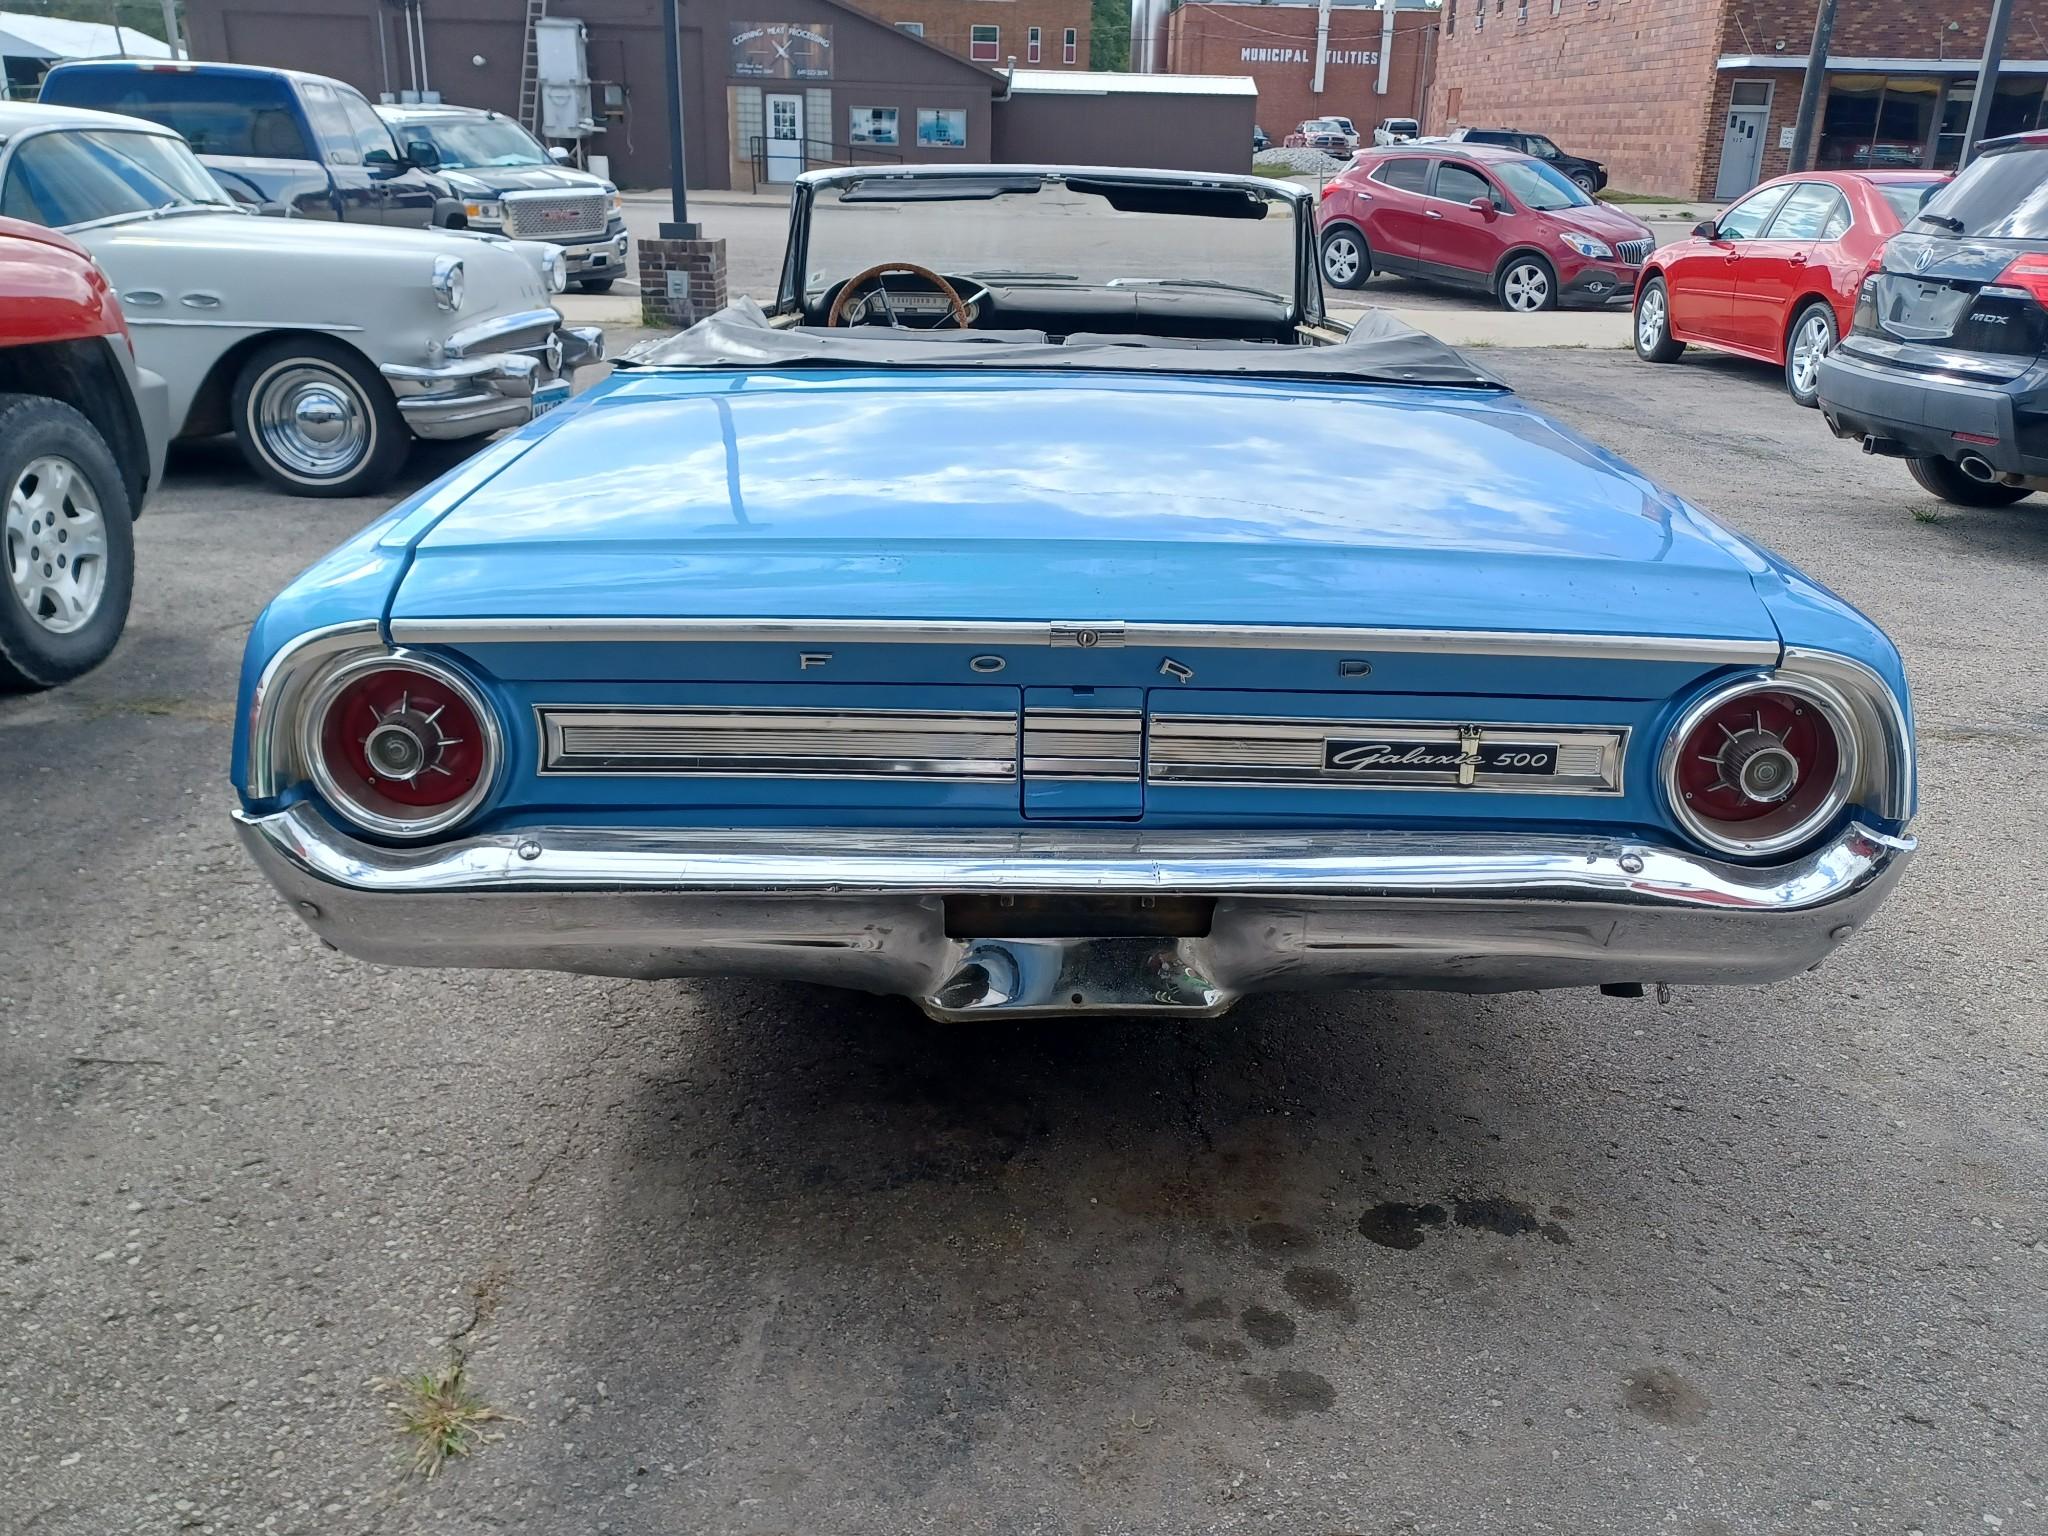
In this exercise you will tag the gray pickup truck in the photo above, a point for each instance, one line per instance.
(277, 139)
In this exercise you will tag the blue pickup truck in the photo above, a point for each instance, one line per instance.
(277, 139)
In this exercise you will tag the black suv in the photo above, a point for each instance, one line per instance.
(1946, 364)
(1588, 175)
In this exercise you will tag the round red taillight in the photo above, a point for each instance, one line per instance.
(401, 745)
(1759, 767)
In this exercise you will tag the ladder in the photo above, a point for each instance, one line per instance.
(529, 69)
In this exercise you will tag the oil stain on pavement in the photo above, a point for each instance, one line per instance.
(1401, 1225)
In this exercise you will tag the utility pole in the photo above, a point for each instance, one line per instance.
(1322, 45)
(171, 29)
(679, 227)
(1809, 93)
(1987, 77)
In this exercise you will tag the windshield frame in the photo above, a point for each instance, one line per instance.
(1305, 304)
(11, 149)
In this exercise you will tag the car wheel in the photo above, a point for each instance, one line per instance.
(1347, 260)
(1945, 478)
(1527, 284)
(1583, 180)
(315, 419)
(1811, 338)
(67, 544)
(1653, 324)
(596, 285)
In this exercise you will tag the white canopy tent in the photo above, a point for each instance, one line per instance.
(44, 40)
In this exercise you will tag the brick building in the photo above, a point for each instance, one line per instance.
(1698, 99)
(1368, 72)
(1038, 34)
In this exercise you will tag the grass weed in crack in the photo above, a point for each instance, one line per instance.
(441, 1416)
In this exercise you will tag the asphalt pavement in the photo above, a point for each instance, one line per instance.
(755, 1259)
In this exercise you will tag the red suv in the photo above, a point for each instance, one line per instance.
(1479, 217)
(82, 434)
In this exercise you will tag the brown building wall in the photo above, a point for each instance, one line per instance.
(949, 23)
(1626, 82)
(1275, 45)
(873, 65)
(1173, 133)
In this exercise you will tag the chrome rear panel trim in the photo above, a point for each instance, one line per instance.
(749, 631)
(782, 743)
(1251, 751)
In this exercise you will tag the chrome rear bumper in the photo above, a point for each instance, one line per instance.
(868, 910)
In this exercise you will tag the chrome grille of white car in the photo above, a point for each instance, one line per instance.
(554, 216)
(1634, 252)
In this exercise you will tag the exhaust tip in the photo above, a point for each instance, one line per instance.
(1978, 469)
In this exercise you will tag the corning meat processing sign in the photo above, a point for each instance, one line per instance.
(782, 50)
(1307, 55)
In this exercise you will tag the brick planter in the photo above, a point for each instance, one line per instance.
(681, 281)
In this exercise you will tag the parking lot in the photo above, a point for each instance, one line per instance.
(749, 1258)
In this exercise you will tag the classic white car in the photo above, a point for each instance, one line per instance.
(325, 348)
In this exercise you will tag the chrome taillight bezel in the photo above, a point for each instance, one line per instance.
(1776, 834)
(312, 722)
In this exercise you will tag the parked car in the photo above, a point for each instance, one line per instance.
(511, 184)
(1477, 217)
(276, 139)
(789, 650)
(1589, 176)
(1775, 277)
(82, 434)
(326, 349)
(1396, 130)
(1259, 139)
(1946, 363)
(1324, 133)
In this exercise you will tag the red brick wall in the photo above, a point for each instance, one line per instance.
(1887, 29)
(1625, 82)
(1204, 39)
(948, 23)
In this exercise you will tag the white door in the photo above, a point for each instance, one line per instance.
(785, 137)
(1742, 139)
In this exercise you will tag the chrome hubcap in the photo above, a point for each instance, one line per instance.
(1650, 319)
(1527, 287)
(1340, 259)
(311, 421)
(56, 545)
(1809, 346)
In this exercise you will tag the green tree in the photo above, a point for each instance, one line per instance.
(1109, 35)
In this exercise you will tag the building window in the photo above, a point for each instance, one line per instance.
(985, 44)
(1451, 16)
(914, 28)
(1031, 46)
(942, 127)
(871, 125)
(1070, 47)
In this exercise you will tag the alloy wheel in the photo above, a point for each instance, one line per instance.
(1810, 343)
(1650, 319)
(55, 542)
(1340, 259)
(1526, 288)
(311, 420)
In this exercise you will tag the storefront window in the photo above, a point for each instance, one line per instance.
(872, 125)
(1877, 123)
(941, 128)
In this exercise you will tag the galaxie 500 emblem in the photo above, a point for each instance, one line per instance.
(1466, 758)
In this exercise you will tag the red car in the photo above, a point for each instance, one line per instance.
(82, 435)
(1479, 217)
(1775, 277)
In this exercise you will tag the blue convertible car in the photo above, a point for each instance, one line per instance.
(1045, 607)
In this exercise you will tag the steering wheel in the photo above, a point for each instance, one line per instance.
(855, 283)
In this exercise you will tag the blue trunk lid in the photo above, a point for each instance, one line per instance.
(985, 496)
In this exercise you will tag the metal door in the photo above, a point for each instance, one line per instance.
(785, 115)
(1742, 140)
